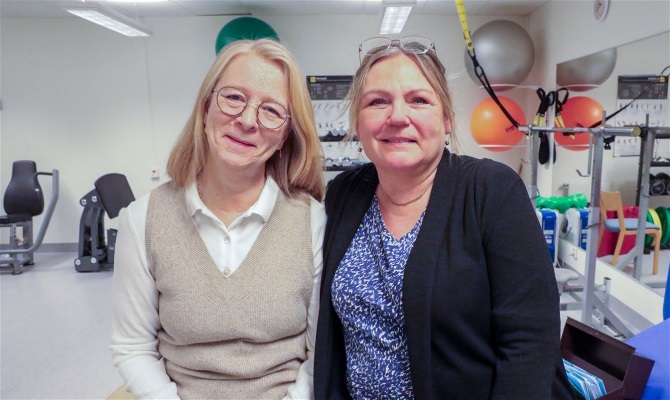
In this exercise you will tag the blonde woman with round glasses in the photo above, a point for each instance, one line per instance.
(437, 281)
(217, 271)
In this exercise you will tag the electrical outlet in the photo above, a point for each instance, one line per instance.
(155, 174)
(573, 253)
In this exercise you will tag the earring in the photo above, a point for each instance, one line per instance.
(446, 142)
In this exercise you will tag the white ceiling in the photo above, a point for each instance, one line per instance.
(189, 8)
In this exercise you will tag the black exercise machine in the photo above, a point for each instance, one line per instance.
(112, 193)
(24, 200)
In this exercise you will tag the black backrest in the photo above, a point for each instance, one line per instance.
(115, 193)
(24, 194)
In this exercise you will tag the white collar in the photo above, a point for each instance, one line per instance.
(262, 207)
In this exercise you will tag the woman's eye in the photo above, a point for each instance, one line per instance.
(419, 100)
(271, 111)
(377, 102)
(235, 98)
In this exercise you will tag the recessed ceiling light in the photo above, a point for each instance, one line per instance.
(396, 13)
(108, 18)
(135, 1)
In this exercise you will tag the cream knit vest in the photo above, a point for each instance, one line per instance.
(241, 337)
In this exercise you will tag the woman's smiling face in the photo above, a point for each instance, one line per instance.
(240, 142)
(401, 123)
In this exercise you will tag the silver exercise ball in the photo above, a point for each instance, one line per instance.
(586, 72)
(505, 51)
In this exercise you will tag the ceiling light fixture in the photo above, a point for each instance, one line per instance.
(108, 18)
(395, 15)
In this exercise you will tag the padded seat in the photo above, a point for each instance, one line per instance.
(14, 218)
(629, 223)
(115, 193)
(23, 197)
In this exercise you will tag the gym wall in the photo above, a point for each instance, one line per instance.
(88, 101)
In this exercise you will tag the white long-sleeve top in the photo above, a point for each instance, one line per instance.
(136, 322)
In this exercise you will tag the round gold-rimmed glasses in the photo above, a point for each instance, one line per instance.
(233, 102)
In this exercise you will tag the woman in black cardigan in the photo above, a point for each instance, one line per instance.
(437, 282)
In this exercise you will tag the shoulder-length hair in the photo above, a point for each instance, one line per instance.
(299, 168)
(431, 67)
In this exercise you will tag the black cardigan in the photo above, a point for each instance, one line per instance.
(480, 298)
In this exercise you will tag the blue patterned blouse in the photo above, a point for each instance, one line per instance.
(367, 296)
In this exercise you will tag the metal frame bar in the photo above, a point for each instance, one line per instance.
(589, 301)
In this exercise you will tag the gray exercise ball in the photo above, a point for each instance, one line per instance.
(586, 72)
(506, 53)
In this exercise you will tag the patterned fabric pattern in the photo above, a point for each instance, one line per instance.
(367, 297)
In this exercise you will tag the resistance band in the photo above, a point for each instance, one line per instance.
(558, 108)
(479, 71)
(481, 75)
(546, 101)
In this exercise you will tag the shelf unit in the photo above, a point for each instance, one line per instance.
(354, 158)
(648, 138)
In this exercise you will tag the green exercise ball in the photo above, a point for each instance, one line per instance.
(244, 28)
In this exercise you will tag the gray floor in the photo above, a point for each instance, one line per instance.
(55, 325)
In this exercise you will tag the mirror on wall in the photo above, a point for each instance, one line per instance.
(620, 168)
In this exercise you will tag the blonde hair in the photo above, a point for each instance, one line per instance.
(430, 67)
(299, 168)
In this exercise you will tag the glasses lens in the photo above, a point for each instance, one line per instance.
(272, 115)
(231, 101)
(416, 44)
(375, 44)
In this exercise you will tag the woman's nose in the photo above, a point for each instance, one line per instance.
(248, 118)
(399, 114)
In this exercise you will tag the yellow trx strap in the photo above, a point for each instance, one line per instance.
(460, 6)
(479, 71)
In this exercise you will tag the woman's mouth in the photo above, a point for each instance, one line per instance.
(398, 140)
(239, 141)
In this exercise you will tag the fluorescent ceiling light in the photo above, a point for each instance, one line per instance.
(395, 15)
(109, 18)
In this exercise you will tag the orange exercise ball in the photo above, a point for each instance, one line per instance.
(578, 112)
(490, 127)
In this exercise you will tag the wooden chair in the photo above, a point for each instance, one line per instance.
(611, 201)
(120, 394)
